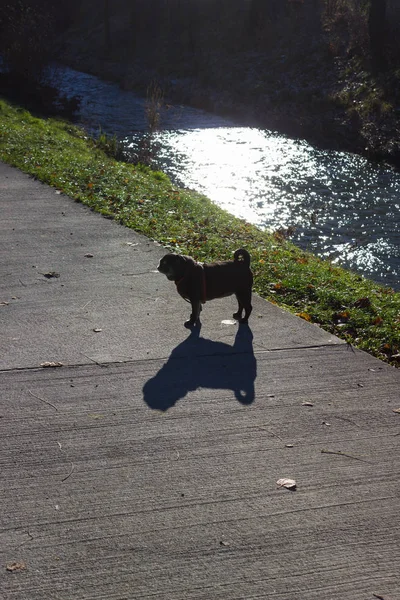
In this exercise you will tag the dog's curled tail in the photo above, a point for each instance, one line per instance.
(242, 256)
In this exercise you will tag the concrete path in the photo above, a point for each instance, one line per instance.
(146, 465)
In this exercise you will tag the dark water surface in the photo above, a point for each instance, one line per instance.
(343, 206)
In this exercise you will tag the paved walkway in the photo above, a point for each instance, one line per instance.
(146, 465)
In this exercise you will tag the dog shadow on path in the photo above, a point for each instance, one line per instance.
(201, 363)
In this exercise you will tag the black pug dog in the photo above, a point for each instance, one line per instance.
(198, 282)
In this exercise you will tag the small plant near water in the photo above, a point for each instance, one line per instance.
(147, 147)
(109, 145)
(154, 104)
(360, 311)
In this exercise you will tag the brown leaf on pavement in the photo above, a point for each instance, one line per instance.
(15, 566)
(49, 364)
(289, 484)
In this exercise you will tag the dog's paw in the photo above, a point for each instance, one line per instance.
(190, 323)
(237, 316)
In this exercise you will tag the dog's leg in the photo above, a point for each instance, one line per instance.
(195, 316)
(244, 301)
(238, 315)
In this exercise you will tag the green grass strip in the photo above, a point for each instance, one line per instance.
(360, 311)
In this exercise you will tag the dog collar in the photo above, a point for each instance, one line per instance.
(203, 283)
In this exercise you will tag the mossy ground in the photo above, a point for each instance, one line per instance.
(364, 313)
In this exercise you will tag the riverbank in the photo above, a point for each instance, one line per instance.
(62, 155)
(334, 104)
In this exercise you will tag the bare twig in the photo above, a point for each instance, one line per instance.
(83, 307)
(340, 453)
(93, 360)
(70, 473)
(25, 541)
(136, 274)
(42, 400)
(270, 431)
(348, 420)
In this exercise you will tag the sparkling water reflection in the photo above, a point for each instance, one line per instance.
(343, 207)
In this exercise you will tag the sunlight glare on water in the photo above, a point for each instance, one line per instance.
(342, 206)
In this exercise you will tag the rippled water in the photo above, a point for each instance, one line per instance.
(342, 206)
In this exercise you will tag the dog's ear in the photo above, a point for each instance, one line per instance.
(177, 264)
(188, 260)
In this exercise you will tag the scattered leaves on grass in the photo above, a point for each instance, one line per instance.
(362, 303)
(15, 566)
(305, 316)
(342, 316)
(289, 484)
(378, 321)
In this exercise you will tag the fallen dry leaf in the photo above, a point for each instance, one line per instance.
(97, 330)
(396, 410)
(304, 315)
(88, 255)
(289, 484)
(51, 274)
(378, 321)
(15, 566)
(47, 365)
(307, 404)
(362, 303)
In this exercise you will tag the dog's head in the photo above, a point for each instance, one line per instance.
(173, 266)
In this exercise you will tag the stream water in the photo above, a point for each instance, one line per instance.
(342, 206)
